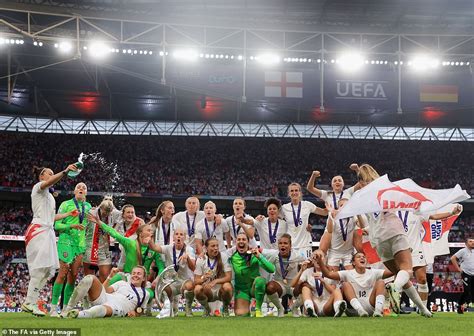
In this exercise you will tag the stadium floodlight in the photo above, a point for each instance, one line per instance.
(351, 61)
(423, 62)
(64, 46)
(189, 55)
(268, 59)
(98, 50)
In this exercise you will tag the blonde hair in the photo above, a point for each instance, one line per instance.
(211, 202)
(367, 173)
(107, 205)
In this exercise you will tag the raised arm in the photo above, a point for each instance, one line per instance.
(457, 210)
(324, 269)
(310, 186)
(56, 177)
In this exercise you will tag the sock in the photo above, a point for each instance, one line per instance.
(401, 279)
(308, 304)
(189, 295)
(425, 303)
(379, 302)
(57, 288)
(297, 303)
(276, 301)
(67, 293)
(336, 305)
(205, 304)
(96, 311)
(357, 306)
(80, 292)
(413, 295)
(259, 288)
(38, 278)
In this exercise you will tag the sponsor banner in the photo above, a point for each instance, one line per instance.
(384, 195)
(360, 92)
(220, 80)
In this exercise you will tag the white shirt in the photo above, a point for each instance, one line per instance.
(43, 206)
(332, 197)
(412, 224)
(300, 237)
(466, 260)
(184, 272)
(290, 265)
(181, 222)
(204, 232)
(308, 276)
(202, 266)
(160, 235)
(128, 298)
(235, 228)
(341, 229)
(383, 226)
(362, 283)
(264, 234)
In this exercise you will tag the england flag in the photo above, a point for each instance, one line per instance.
(283, 84)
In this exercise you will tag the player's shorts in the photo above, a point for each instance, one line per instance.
(388, 248)
(285, 288)
(418, 258)
(319, 305)
(67, 253)
(215, 293)
(336, 258)
(365, 303)
(244, 294)
(111, 301)
(305, 252)
(104, 257)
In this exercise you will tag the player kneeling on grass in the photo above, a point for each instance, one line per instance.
(212, 278)
(320, 297)
(286, 263)
(249, 283)
(183, 259)
(120, 299)
(363, 288)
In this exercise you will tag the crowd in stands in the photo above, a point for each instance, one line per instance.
(223, 166)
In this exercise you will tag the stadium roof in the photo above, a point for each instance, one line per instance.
(41, 82)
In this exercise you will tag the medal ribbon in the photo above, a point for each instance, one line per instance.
(296, 217)
(273, 235)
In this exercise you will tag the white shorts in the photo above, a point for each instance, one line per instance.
(285, 288)
(111, 301)
(418, 258)
(388, 248)
(335, 258)
(215, 293)
(305, 252)
(104, 257)
(365, 303)
(319, 305)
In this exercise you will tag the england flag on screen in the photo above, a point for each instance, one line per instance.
(280, 84)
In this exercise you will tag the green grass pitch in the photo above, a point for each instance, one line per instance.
(406, 325)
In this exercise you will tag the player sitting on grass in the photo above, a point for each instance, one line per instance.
(362, 287)
(120, 299)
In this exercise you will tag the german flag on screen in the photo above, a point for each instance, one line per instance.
(438, 93)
